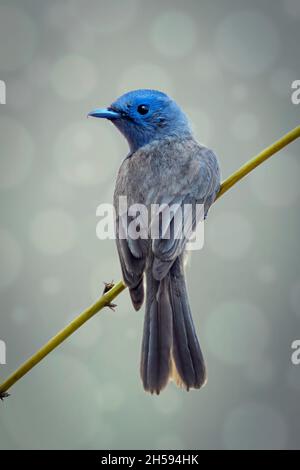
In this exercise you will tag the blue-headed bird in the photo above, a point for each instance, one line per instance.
(165, 166)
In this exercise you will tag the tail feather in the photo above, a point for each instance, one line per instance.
(170, 348)
(187, 354)
(157, 338)
(137, 294)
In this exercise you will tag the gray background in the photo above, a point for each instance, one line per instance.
(230, 65)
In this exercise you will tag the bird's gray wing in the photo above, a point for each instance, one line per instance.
(132, 253)
(200, 185)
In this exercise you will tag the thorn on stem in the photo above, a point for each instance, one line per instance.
(107, 287)
(3, 395)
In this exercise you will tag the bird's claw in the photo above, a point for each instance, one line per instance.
(112, 306)
(3, 395)
(107, 287)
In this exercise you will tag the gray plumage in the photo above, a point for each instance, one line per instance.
(165, 171)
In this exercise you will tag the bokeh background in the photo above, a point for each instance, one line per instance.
(230, 64)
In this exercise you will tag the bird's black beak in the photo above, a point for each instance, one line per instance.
(105, 113)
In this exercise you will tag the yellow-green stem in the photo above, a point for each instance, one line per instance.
(120, 286)
(258, 160)
(62, 336)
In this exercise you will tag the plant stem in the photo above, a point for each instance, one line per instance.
(258, 160)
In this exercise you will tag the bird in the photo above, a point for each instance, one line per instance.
(165, 165)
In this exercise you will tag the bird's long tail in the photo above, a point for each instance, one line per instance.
(170, 348)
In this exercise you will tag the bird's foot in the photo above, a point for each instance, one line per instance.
(107, 287)
(3, 395)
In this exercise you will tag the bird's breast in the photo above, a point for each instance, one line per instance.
(154, 172)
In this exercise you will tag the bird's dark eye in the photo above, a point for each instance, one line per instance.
(143, 109)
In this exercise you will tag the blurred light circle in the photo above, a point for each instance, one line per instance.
(247, 42)
(19, 315)
(237, 333)
(292, 7)
(245, 126)
(60, 15)
(110, 397)
(109, 17)
(255, 426)
(57, 190)
(145, 76)
(73, 77)
(201, 124)
(17, 38)
(173, 33)
(240, 92)
(169, 402)
(277, 185)
(281, 82)
(295, 297)
(100, 16)
(65, 403)
(82, 38)
(39, 72)
(53, 232)
(51, 285)
(206, 66)
(18, 99)
(260, 371)
(229, 235)
(10, 259)
(267, 274)
(17, 150)
(85, 158)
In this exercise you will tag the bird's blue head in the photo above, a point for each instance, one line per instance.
(145, 115)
